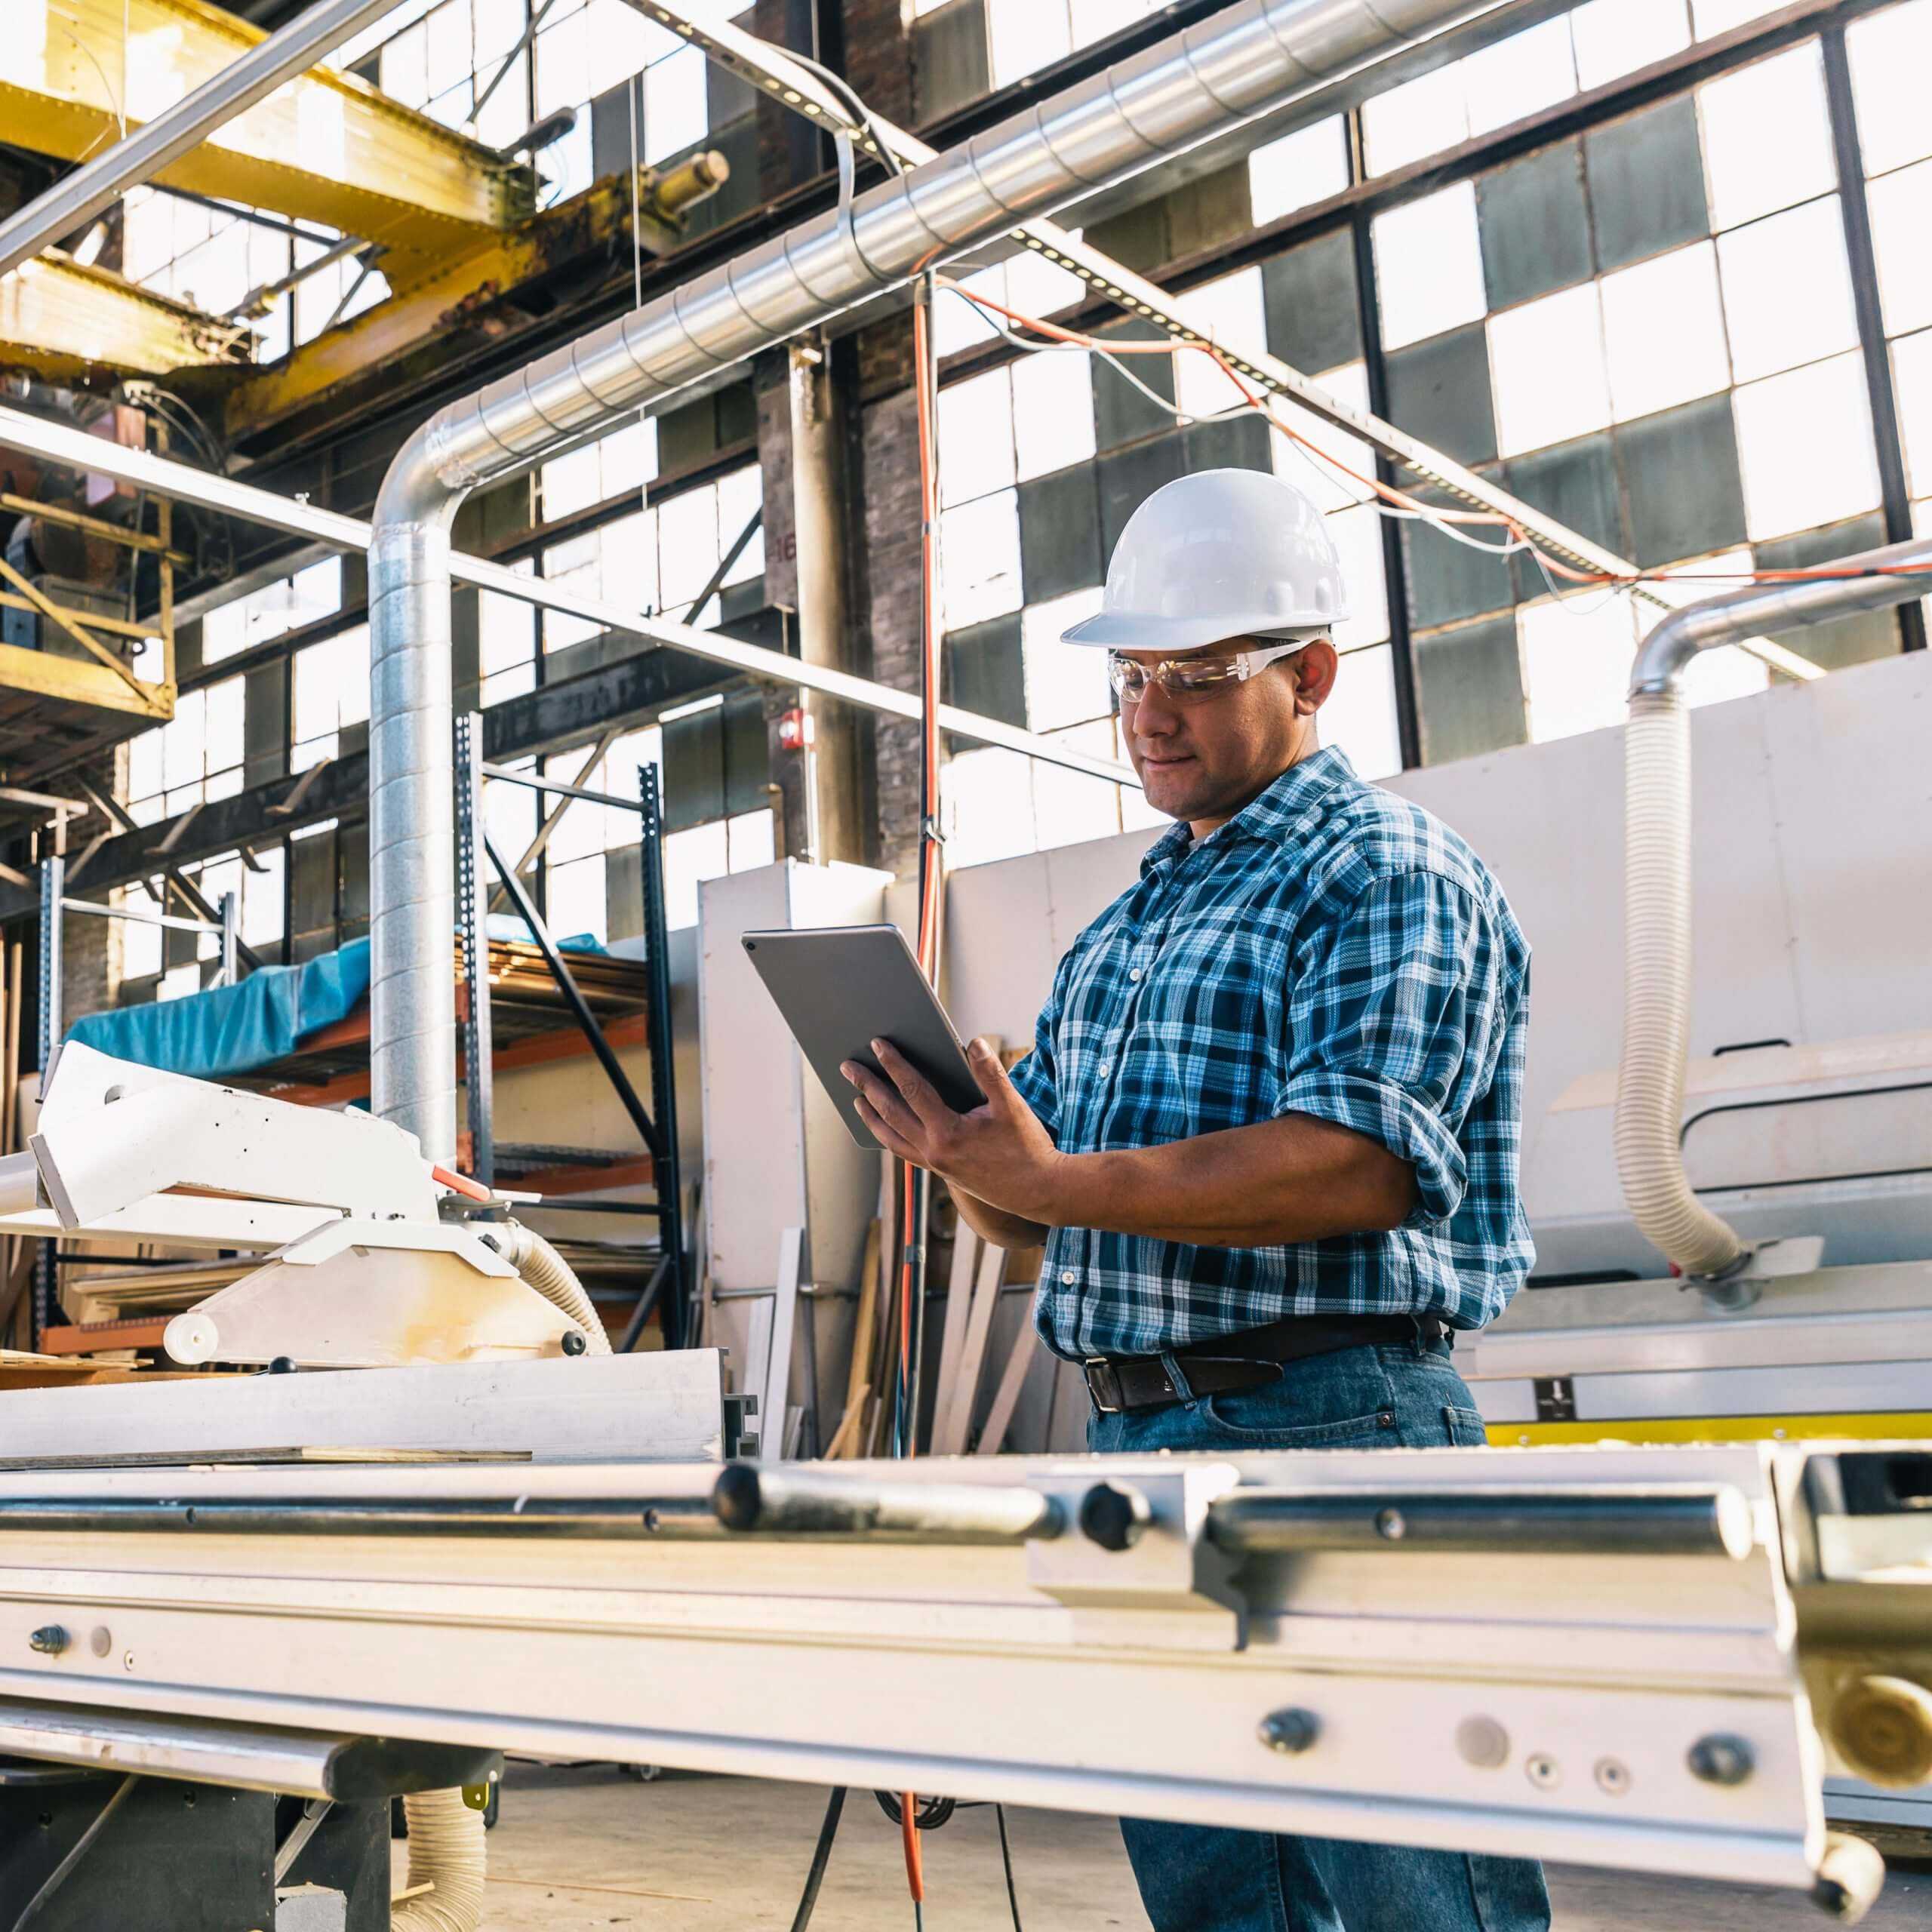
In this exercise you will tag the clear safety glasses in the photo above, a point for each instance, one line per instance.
(1192, 680)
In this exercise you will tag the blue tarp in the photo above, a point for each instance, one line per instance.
(233, 1029)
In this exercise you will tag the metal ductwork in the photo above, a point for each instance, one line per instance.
(1657, 886)
(1251, 60)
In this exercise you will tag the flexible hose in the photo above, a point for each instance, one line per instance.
(446, 1849)
(1656, 991)
(547, 1270)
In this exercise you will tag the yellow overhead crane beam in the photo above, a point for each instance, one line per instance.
(69, 322)
(327, 147)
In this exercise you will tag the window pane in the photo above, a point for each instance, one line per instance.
(1308, 165)
(988, 807)
(574, 899)
(687, 544)
(1429, 266)
(570, 483)
(1715, 16)
(1421, 117)
(1911, 377)
(1547, 361)
(1891, 54)
(1357, 535)
(675, 105)
(1664, 332)
(1067, 806)
(700, 853)
(975, 437)
(1768, 138)
(1067, 683)
(1787, 290)
(1360, 715)
(1901, 220)
(1795, 480)
(1519, 76)
(1024, 35)
(1577, 658)
(1229, 313)
(979, 551)
(1327, 485)
(752, 838)
(1053, 412)
(1617, 37)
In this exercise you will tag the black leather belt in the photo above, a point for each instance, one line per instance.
(1247, 1359)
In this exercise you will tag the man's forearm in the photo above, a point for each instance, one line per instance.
(1291, 1179)
(995, 1224)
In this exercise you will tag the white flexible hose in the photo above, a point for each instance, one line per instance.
(446, 1849)
(446, 1840)
(547, 1270)
(1656, 991)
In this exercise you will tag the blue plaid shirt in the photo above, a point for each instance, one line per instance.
(1334, 951)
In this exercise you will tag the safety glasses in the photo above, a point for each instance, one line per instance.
(1192, 680)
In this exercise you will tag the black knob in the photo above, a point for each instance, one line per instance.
(282, 1365)
(1113, 1517)
(574, 1343)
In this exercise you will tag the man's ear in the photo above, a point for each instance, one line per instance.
(1313, 668)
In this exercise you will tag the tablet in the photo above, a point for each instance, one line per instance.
(839, 989)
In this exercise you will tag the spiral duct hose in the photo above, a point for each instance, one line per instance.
(1656, 991)
(446, 1841)
(446, 1849)
(547, 1270)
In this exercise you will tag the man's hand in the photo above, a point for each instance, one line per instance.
(999, 1153)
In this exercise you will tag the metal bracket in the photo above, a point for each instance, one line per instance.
(1171, 1588)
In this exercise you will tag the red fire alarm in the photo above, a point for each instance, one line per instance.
(795, 730)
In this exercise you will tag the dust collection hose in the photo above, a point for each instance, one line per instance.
(547, 1270)
(1656, 990)
(446, 1849)
(446, 1837)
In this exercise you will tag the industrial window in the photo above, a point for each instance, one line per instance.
(1659, 300)
(287, 605)
(1298, 170)
(182, 963)
(330, 693)
(196, 756)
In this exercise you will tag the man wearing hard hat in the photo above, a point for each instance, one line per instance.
(1267, 1132)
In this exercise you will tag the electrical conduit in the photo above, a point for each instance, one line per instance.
(1656, 889)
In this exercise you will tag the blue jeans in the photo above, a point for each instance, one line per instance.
(1199, 1878)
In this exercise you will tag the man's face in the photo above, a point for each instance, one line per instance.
(1203, 761)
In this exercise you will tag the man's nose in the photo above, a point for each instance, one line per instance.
(1156, 715)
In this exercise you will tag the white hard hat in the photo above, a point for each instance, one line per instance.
(1223, 553)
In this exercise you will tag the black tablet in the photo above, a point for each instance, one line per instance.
(839, 988)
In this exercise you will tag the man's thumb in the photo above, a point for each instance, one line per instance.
(983, 1057)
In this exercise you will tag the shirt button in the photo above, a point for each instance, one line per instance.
(1068, 1277)
(1107, 1068)
(1133, 973)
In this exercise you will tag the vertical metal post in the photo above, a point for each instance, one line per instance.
(231, 963)
(1395, 563)
(52, 890)
(1894, 490)
(668, 1173)
(473, 926)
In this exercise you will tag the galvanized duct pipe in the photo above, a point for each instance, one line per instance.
(1252, 58)
(1656, 887)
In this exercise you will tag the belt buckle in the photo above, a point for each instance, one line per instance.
(1095, 1367)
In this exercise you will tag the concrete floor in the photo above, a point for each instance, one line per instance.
(584, 1847)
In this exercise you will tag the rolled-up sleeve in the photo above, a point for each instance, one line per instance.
(1393, 1020)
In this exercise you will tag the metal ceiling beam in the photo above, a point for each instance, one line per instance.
(66, 321)
(57, 442)
(775, 72)
(239, 118)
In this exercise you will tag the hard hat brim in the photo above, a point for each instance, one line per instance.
(1120, 630)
